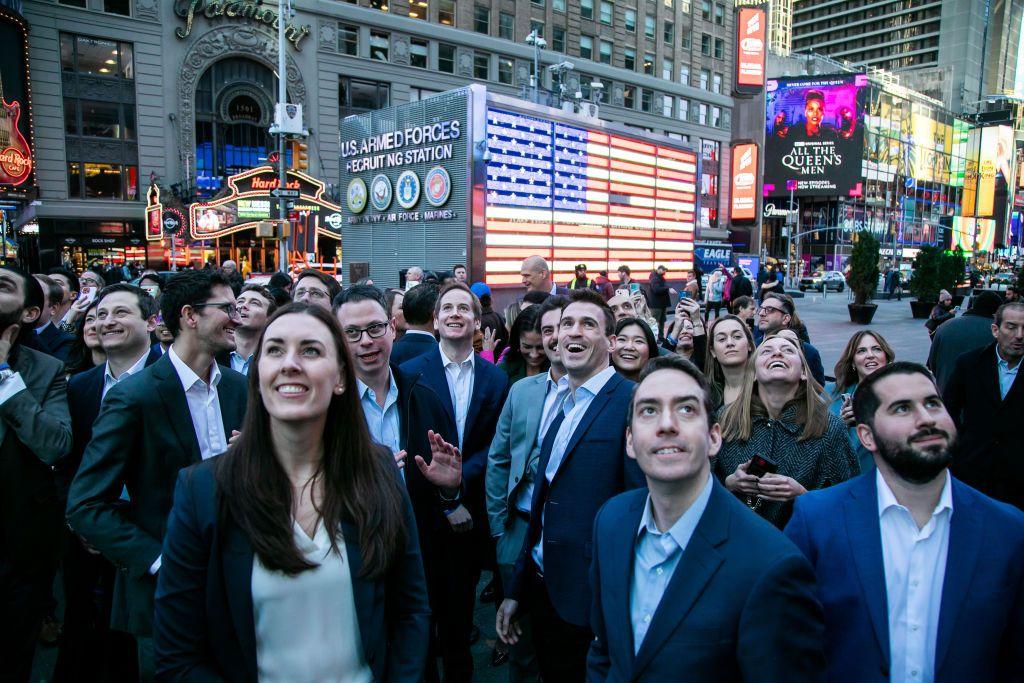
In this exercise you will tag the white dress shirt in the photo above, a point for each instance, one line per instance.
(203, 405)
(460, 376)
(915, 570)
(307, 628)
(555, 394)
(574, 407)
(109, 380)
(1007, 375)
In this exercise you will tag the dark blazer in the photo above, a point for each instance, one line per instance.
(989, 453)
(490, 387)
(36, 435)
(739, 606)
(981, 619)
(594, 468)
(203, 628)
(142, 437)
(55, 342)
(85, 395)
(740, 287)
(411, 346)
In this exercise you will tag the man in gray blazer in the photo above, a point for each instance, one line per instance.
(530, 409)
(35, 433)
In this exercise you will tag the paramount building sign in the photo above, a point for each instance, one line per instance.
(247, 10)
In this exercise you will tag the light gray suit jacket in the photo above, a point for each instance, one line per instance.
(515, 442)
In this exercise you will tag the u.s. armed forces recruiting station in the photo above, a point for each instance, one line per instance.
(431, 142)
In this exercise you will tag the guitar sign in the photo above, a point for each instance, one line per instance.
(15, 154)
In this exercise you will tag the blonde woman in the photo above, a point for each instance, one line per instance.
(730, 345)
(779, 440)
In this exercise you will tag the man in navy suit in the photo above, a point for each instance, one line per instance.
(582, 464)
(125, 317)
(418, 311)
(472, 392)
(50, 339)
(687, 581)
(921, 577)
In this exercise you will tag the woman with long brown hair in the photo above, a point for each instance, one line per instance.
(778, 438)
(294, 555)
(730, 345)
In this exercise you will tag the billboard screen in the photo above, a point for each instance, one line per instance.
(574, 193)
(814, 136)
(751, 30)
(16, 160)
(743, 206)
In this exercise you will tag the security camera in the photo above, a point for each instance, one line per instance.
(597, 85)
(561, 66)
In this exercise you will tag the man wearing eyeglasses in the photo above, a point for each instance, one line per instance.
(316, 288)
(778, 312)
(176, 412)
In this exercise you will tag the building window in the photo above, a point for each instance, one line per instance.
(587, 9)
(538, 3)
(348, 40)
(505, 70)
(382, 5)
(702, 114)
(481, 66)
(649, 26)
(558, 5)
(446, 12)
(72, 3)
(684, 109)
(649, 64)
(482, 19)
(558, 39)
(507, 26)
(646, 101)
(720, 15)
(605, 54)
(586, 47)
(122, 7)
(668, 68)
(684, 75)
(716, 83)
(716, 116)
(417, 94)
(705, 78)
(684, 40)
(418, 51)
(719, 48)
(666, 106)
(96, 57)
(380, 45)
(705, 10)
(629, 97)
(629, 58)
(419, 9)
(705, 45)
(607, 12)
(446, 58)
(356, 96)
(669, 32)
(102, 181)
(538, 27)
(629, 19)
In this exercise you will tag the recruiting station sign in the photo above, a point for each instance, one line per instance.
(814, 136)
(744, 182)
(751, 30)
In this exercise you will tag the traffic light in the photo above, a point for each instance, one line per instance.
(300, 156)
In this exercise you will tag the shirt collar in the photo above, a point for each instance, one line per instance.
(683, 529)
(559, 384)
(887, 500)
(425, 334)
(597, 382)
(446, 361)
(40, 330)
(364, 390)
(1005, 365)
(189, 378)
(137, 367)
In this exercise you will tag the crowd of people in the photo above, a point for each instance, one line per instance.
(305, 482)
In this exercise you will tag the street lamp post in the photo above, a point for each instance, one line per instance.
(284, 13)
(538, 45)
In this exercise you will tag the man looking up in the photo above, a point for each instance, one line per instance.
(532, 405)
(472, 392)
(460, 272)
(69, 281)
(49, 338)
(685, 558)
(908, 559)
(582, 464)
(176, 412)
(255, 305)
(35, 433)
(316, 288)
(418, 310)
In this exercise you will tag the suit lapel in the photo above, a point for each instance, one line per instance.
(593, 411)
(177, 415)
(620, 571)
(696, 568)
(865, 535)
(528, 428)
(479, 386)
(362, 589)
(231, 397)
(965, 534)
(433, 373)
(236, 563)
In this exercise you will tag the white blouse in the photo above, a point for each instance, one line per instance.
(307, 629)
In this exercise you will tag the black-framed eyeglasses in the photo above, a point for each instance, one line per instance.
(376, 331)
(230, 309)
(768, 310)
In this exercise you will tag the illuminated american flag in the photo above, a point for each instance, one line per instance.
(575, 195)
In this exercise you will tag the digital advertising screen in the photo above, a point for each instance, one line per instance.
(989, 155)
(814, 136)
(578, 194)
(751, 47)
(743, 206)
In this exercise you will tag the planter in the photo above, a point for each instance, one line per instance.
(921, 309)
(861, 314)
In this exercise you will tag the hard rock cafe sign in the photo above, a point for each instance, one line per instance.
(15, 150)
(253, 11)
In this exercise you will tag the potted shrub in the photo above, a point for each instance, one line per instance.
(934, 270)
(863, 278)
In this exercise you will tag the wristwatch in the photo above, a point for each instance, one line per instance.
(5, 372)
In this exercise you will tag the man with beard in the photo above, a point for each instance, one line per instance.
(921, 577)
(35, 433)
(178, 411)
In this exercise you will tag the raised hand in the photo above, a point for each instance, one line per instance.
(490, 342)
(400, 459)
(7, 341)
(445, 468)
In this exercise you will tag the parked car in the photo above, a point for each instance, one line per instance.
(831, 279)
